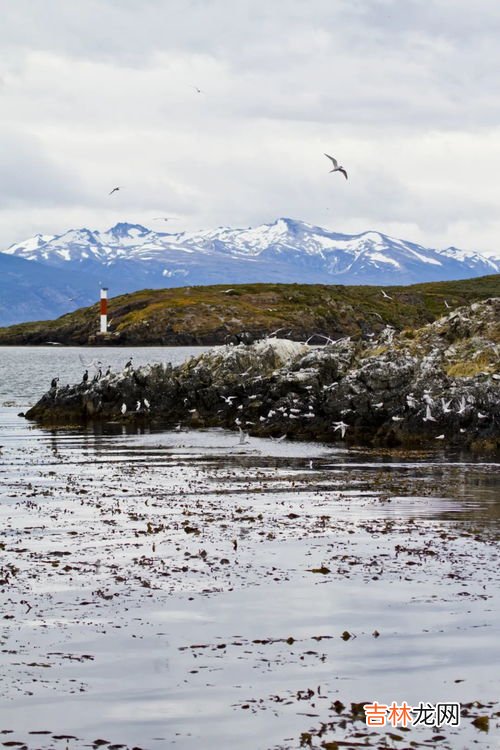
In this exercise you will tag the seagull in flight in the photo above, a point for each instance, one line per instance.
(336, 167)
(115, 189)
(198, 91)
(446, 406)
(385, 295)
(342, 426)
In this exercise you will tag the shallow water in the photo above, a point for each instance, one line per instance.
(159, 587)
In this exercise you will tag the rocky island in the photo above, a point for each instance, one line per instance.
(438, 384)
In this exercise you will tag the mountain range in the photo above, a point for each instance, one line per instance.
(48, 275)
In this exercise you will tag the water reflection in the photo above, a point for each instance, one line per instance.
(182, 588)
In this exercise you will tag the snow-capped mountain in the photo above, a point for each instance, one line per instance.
(128, 257)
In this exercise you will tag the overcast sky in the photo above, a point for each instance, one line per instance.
(99, 93)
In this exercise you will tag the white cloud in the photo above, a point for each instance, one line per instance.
(98, 94)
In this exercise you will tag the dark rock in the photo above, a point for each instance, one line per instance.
(437, 385)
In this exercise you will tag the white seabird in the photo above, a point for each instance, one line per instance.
(342, 426)
(243, 437)
(446, 406)
(428, 416)
(336, 167)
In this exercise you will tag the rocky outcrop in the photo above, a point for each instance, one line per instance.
(437, 385)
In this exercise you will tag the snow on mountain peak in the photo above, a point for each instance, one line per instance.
(130, 256)
(123, 229)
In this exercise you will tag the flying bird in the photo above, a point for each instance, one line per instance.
(198, 91)
(115, 189)
(342, 426)
(446, 406)
(336, 167)
(95, 363)
(385, 295)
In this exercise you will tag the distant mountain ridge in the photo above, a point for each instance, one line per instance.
(128, 257)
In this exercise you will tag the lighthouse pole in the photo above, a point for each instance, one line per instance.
(104, 309)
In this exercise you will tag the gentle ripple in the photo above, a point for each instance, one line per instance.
(135, 637)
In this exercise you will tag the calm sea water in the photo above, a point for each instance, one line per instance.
(177, 589)
(26, 372)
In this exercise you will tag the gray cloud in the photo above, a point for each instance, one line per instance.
(97, 94)
(28, 175)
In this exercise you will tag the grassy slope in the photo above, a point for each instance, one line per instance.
(209, 314)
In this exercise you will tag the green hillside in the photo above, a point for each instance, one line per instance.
(217, 314)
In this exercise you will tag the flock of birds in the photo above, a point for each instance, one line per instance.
(297, 409)
(294, 413)
(341, 426)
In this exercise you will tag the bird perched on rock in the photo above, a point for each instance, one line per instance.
(243, 437)
(129, 364)
(336, 167)
(428, 416)
(85, 376)
(54, 382)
